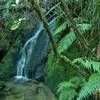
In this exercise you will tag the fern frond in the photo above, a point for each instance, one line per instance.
(64, 86)
(66, 42)
(84, 27)
(61, 28)
(66, 91)
(88, 64)
(90, 87)
(68, 94)
(77, 81)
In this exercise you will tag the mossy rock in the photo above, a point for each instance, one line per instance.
(27, 91)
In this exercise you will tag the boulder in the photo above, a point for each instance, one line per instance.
(28, 91)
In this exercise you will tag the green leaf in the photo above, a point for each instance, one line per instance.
(15, 25)
(88, 64)
(66, 91)
(61, 28)
(67, 41)
(64, 86)
(68, 94)
(89, 87)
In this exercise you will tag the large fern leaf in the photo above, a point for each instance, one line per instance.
(66, 42)
(90, 87)
(67, 90)
(88, 64)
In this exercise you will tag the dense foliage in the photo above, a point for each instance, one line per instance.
(82, 12)
(18, 19)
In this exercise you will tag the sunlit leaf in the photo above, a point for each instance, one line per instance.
(15, 25)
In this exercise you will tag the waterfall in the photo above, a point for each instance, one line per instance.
(25, 53)
(27, 50)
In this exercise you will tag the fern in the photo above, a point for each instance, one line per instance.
(61, 28)
(67, 94)
(90, 87)
(66, 91)
(84, 27)
(91, 12)
(88, 64)
(66, 42)
(65, 85)
(77, 81)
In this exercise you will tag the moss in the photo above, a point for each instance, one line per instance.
(27, 91)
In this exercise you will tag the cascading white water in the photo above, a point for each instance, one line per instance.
(21, 73)
(26, 53)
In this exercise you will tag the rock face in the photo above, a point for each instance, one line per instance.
(27, 91)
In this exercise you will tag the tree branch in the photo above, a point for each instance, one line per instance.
(37, 8)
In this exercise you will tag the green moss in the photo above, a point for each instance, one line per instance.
(26, 91)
